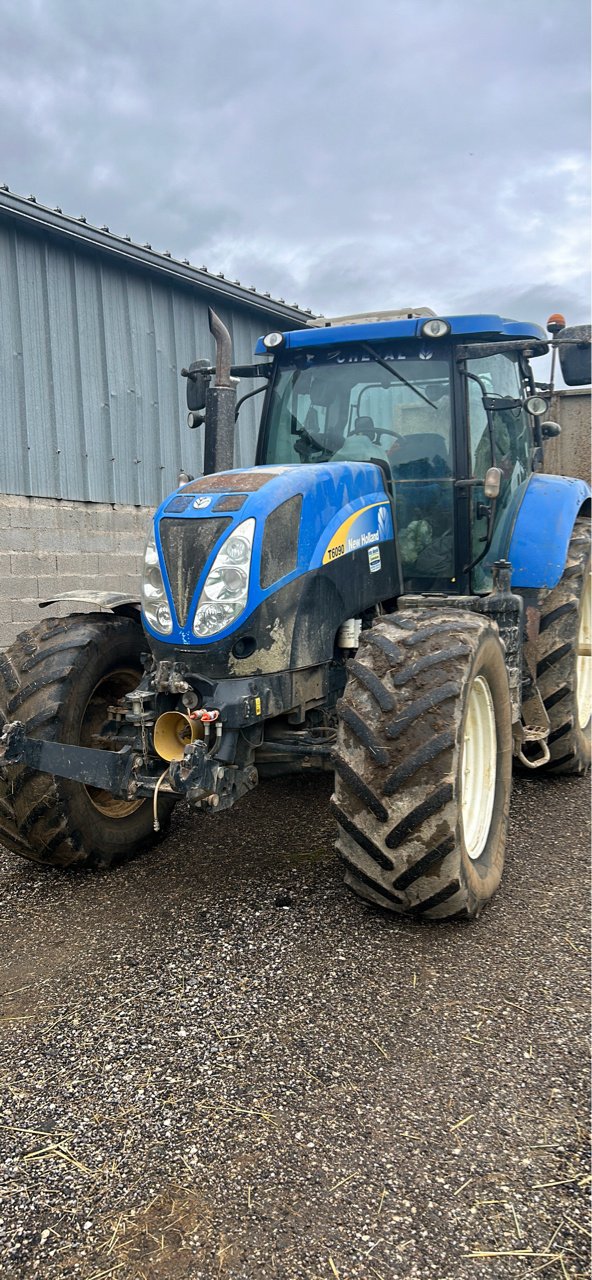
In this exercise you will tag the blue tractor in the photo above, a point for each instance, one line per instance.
(395, 592)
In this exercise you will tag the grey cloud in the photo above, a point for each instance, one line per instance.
(539, 302)
(340, 156)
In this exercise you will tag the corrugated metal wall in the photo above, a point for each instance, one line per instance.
(93, 407)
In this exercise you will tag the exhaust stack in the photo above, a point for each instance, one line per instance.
(220, 404)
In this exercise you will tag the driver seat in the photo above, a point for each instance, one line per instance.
(365, 427)
(424, 451)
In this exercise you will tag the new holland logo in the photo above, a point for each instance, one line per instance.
(382, 522)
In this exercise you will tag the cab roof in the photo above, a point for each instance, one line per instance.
(479, 327)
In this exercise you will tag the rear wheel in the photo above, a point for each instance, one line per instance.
(423, 765)
(59, 679)
(564, 667)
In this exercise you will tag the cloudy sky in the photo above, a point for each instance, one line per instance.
(344, 154)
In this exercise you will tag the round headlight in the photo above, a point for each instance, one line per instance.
(163, 617)
(435, 329)
(272, 340)
(226, 582)
(536, 405)
(210, 618)
(237, 549)
(195, 420)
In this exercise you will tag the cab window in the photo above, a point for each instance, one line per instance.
(507, 444)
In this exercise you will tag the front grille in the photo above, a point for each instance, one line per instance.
(186, 545)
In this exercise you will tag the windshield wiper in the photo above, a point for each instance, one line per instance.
(389, 368)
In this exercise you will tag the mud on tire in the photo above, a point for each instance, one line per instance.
(58, 679)
(562, 626)
(399, 765)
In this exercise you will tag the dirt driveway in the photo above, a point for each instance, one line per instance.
(215, 1062)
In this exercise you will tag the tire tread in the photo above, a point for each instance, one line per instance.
(569, 744)
(395, 797)
(37, 677)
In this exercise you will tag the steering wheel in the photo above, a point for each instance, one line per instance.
(305, 439)
(387, 431)
(297, 429)
(384, 431)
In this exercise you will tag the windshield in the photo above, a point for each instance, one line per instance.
(319, 406)
(348, 407)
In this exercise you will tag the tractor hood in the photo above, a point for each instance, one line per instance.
(312, 530)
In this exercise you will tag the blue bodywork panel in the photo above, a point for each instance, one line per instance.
(344, 508)
(542, 529)
(469, 327)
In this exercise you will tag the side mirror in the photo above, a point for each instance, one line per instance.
(574, 349)
(549, 430)
(492, 482)
(198, 382)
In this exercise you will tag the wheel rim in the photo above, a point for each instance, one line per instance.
(107, 693)
(478, 768)
(584, 658)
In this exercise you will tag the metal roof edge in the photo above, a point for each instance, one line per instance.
(29, 210)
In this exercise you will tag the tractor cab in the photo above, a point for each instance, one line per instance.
(442, 404)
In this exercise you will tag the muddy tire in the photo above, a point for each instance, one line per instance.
(58, 679)
(564, 675)
(423, 765)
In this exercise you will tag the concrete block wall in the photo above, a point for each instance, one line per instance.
(48, 546)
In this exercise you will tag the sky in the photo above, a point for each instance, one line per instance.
(347, 155)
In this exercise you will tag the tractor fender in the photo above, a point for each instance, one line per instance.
(114, 601)
(542, 529)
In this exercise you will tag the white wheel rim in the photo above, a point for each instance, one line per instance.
(478, 768)
(584, 658)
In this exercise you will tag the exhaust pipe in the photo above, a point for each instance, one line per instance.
(220, 404)
(223, 349)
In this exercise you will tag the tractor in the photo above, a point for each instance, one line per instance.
(395, 592)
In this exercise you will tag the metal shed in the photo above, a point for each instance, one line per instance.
(94, 330)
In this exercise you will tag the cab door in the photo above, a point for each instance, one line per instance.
(508, 446)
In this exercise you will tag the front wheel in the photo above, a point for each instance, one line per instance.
(60, 678)
(423, 765)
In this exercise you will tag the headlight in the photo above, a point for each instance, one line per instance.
(537, 406)
(272, 340)
(435, 329)
(154, 597)
(226, 588)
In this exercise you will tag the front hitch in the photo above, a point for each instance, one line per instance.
(108, 770)
(197, 776)
(204, 779)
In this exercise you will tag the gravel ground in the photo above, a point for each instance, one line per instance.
(216, 1062)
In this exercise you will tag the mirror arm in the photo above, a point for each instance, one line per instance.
(247, 396)
(485, 397)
